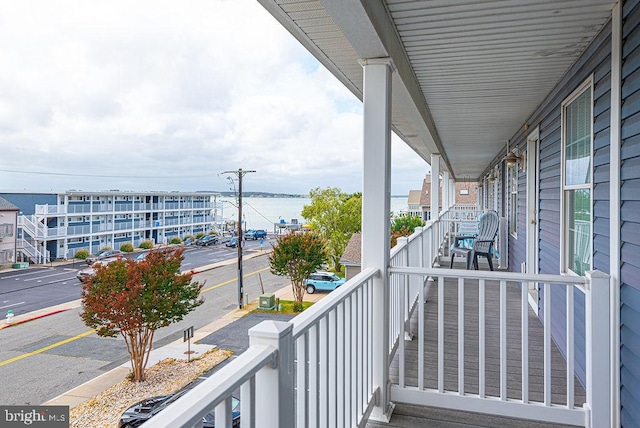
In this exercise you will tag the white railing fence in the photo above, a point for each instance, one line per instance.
(464, 381)
(314, 371)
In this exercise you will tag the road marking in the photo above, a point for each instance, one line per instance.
(24, 274)
(86, 333)
(14, 304)
(46, 276)
(233, 280)
(46, 348)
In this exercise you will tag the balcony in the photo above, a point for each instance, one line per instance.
(452, 339)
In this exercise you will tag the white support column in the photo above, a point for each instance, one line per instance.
(446, 191)
(274, 386)
(452, 189)
(598, 358)
(614, 208)
(435, 186)
(376, 193)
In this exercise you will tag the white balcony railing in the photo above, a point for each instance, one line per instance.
(312, 371)
(317, 369)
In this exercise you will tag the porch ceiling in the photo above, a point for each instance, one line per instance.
(468, 74)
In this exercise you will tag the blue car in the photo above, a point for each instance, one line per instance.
(325, 281)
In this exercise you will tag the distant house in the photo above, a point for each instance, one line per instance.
(352, 255)
(419, 201)
(8, 231)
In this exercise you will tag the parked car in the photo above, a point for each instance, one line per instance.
(83, 275)
(232, 243)
(104, 254)
(188, 241)
(207, 240)
(141, 412)
(325, 281)
(255, 234)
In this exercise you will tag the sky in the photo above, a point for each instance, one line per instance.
(165, 95)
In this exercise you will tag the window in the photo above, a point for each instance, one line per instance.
(6, 230)
(513, 200)
(576, 180)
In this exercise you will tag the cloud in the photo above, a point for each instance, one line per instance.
(176, 91)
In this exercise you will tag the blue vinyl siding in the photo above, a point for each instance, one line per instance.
(630, 219)
(596, 62)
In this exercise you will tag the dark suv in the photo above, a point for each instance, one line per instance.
(207, 240)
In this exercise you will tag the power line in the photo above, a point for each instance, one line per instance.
(100, 175)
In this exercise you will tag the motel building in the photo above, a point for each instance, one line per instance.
(57, 225)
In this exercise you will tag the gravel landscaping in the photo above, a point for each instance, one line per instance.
(165, 377)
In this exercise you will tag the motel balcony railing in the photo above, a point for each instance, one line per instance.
(317, 369)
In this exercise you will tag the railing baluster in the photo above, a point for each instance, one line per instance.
(333, 370)
(503, 340)
(461, 336)
(401, 347)
(481, 339)
(524, 302)
(314, 376)
(323, 403)
(421, 338)
(348, 361)
(340, 374)
(223, 412)
(547, 344)
(302, 377)
(359, 333)
(440, 334)
(248, 400)
(570, 345)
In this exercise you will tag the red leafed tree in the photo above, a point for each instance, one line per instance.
(134, 299)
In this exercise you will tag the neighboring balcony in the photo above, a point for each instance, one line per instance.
(455, 340)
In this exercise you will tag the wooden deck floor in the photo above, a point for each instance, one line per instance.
(406, 415)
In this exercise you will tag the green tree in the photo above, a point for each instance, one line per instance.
(134, 299)
(404, 225)
(297, 256)
(335, 216)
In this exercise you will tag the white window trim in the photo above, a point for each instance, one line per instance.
(564, 233)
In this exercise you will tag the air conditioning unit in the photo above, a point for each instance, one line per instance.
(267, 301)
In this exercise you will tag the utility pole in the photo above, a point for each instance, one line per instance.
(239, 173)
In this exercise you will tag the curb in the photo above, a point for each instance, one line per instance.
(35, 317)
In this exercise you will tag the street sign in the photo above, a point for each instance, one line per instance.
(187, 335)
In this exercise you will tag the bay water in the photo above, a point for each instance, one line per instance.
(262, 213)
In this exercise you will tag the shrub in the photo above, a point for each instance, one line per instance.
(105, 248)
(200, 235)
(82, 254)
(127, 247)
(146, 245)
(175, 240)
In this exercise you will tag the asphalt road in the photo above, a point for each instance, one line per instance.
(24, 291)
(44, 358)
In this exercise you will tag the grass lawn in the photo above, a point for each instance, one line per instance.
(287, 307)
